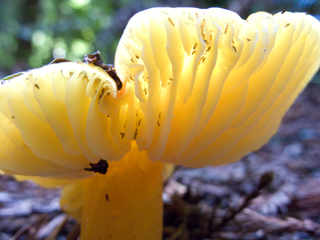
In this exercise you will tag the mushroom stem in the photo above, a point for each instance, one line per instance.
(126, 203)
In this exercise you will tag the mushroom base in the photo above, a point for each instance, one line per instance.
(126, 203)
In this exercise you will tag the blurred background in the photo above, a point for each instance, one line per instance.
(33, 32)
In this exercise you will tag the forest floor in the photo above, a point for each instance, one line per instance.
(273, 193)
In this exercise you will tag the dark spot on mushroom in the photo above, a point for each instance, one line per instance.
(37, 86)
(235, 49)
(101, 94)
(137, 56)
(135, 134)
(139, 122)
(287, 25)
(283, 11)
(204, 37)
(195, 46)
(12, 117)
(100, 167)
(226, 30)
(208, 49)
(132, 60)
(202, 59)
(107, 197)
(203, 22)
(170, 21)
(248, 39)
(122, 135)
(158, 122)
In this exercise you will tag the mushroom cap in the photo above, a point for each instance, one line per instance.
(43, 117)
(211, 86)
(202, 87)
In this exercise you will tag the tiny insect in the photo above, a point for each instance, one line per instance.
(59, 60)
(12, 76)
(100, 167)
(95, 59)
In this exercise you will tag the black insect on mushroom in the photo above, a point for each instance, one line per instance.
(95, 59)
(100, 167)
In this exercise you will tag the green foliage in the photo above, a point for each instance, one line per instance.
(38, 31)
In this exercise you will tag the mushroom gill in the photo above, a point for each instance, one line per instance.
(209, 86)
(44, 113)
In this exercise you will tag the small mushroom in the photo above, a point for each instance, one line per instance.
(198, 88)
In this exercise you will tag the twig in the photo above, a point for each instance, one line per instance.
(23, 230)
(272, 224)
(265, 180)
(212, 217)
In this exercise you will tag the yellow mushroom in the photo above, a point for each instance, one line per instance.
(199, 88)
